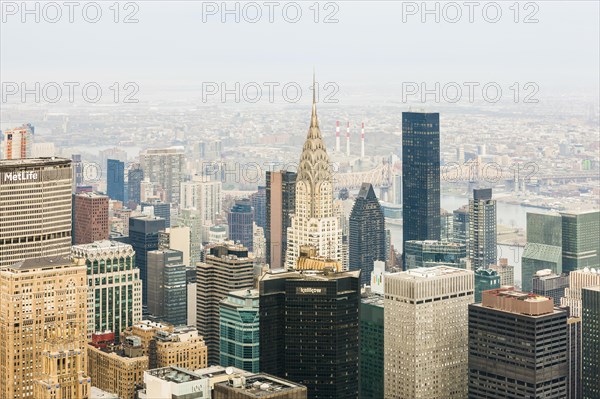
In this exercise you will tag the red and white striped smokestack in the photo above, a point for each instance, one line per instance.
(337, 136)
(348, 139)
(362, 141)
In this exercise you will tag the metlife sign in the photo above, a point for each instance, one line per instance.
(311, 291)
(21, 176)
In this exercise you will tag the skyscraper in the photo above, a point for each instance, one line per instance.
(115, 179)
(580, 240)
(549, 284)
(240, 218)
(158, 209)
(544, 246)
(18, 142)
(203, 196)
(371, 343)
(239, 330)
(259, 203)
(505, 358)
(460, 225)
(309, 330)
(90, 218)
(482, 229)
(367, 233)
(135, 175)
(591, 342)
(42, 320)
(420, 176)
(165, 167)
(425, 327)
(485, 279)
(226, 268)
(114, 286)
(167, 286)
(143, 237)
(35, 208)
(177, 238)
(314, 223)
(77, 165)
(578, 280)
(280, 206)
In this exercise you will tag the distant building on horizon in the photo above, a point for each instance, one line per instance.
(115, 179)
(18, 142)
(240, 218)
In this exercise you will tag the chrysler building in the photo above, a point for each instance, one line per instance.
(315, 222)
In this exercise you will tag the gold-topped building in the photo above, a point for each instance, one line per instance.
(43, 329)
(309, 260)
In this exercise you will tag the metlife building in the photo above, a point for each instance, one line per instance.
(35, 208)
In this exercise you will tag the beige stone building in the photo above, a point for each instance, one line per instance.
(43, 329)
(117, 371)
(426, 333)
(181, 348)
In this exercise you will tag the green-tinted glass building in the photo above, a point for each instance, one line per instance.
(432, 253)
(591, 342)
(544, 246)
(371, 347)
(485, 279)
(580, 240)
(239, 330)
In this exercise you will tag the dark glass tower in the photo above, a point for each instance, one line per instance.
(143, 237)
(259, 199)
(482, 229)
(240, 219)
(115, 179)
(280, 206)
(591, 342)
(309, 329)
(420, 176)
(161, 210)
(167, 286)
(135, 175)
(371, 347)
(367, 233)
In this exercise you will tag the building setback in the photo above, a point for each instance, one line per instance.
(425, 328)
(367, 233)
(420, 176)
(505, 358)
(305, 318)
(36, 208)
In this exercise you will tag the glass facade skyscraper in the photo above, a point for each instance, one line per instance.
(240, 219)
(580, 240)
(371, 347)
(433, 253)
(544, 247)
(167, 286)
(239, 330)
(420, 176)
(143, 237)
(591, 342)
(367, 233)
(485, 279)
(115, 179)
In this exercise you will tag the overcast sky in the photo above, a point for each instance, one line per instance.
(370, 46)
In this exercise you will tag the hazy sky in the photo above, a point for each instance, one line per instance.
(370, 46)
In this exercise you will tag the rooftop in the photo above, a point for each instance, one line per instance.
(423, 273)
(43, 263)
(103, 245)
(508, 299)
(259, 385)
(174, 374)
(9, 164)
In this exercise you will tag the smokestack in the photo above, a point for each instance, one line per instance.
(337, 136)
(362, 141)
(348, 139)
